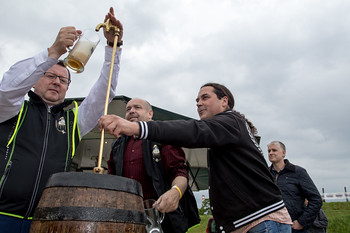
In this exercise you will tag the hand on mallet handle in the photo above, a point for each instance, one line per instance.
(109, 35)
(117, 126)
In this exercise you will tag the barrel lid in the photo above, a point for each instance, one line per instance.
(93, 180)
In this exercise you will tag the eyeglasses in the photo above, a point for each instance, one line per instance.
(52, 76)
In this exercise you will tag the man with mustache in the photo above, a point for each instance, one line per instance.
(160, 169)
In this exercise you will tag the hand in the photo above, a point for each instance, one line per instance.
(110, 35)
(117, 126)
(65, 38)
(296, 225)
(168, 202)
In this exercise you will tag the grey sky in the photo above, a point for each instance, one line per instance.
(286, 62)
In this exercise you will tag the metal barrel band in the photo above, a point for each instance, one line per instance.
(68, 213)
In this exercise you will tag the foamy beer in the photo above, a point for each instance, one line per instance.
(82, 50)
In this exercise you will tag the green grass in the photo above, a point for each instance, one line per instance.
(338, 214)
(202, 227)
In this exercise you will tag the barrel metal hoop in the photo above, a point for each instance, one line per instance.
(67, 213)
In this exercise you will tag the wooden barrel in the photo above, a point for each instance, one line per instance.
(74, 202)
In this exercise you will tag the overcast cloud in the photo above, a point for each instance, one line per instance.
(286, 62)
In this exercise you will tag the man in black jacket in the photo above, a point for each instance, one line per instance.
(296, 186)
(160, 169)
(243, 196)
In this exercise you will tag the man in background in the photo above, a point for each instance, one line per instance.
(296, 186)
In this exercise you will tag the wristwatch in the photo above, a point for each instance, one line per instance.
(119, 43)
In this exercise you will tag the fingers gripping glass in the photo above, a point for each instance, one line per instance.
(52, 76)
(154, 217)
(82, 50)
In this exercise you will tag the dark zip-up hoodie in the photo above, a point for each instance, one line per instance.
(241, 188)
(35, 144)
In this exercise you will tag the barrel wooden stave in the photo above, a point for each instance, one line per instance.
(102, 204)
(85, 227)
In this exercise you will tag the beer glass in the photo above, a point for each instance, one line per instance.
(154, 217)
(82, 51)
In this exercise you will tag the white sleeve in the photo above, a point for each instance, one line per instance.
(92, 108)
(18, 80)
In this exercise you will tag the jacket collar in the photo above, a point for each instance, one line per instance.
(38, 100)
(289, 166)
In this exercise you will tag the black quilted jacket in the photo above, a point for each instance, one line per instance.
(296, 186)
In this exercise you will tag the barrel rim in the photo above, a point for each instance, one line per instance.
(93, 180)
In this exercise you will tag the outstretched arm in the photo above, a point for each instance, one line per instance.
(23, 75)
(92, 108)
(117, 126)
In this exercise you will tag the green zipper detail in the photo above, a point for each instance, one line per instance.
(75, 110)
(14, 135)
(16, 216)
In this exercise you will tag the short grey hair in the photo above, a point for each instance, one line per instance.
(282, 146)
